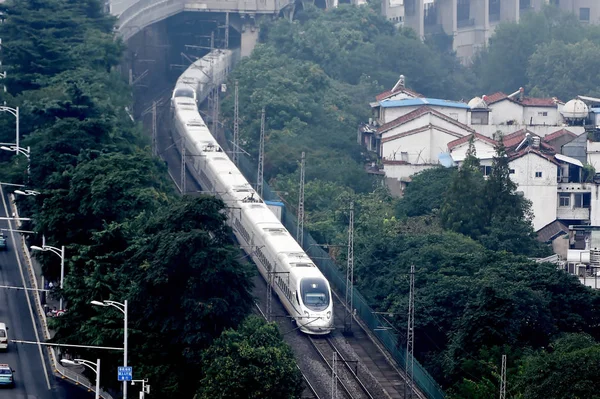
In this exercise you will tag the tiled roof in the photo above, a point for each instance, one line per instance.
(513, 139)
(417, 113)
(551, 231)
(494, 98)
(528, 150)
(559, 133)
(389, 93)
(538, 102)
(411, 102)
(466, 139)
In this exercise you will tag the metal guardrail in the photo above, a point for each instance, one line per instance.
(57, 368)
(337, 279)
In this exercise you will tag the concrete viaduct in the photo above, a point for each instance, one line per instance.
(135, 15)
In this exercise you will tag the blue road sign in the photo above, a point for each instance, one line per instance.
(125, 373)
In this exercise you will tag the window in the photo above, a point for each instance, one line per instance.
(486, 170)
(564, 200)
(511, 171)
(542, 114)
(584, 14)
(582, 200)
(538, 174)
(314, 293)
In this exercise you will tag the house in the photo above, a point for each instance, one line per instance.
(414, 141)
(485, 148)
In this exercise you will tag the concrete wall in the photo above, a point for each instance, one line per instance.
(483, 150)
(404, 171)
(459, 114)
(421, 147)
(541, 191)
(504, 111)
(535, 114)
(542, 131)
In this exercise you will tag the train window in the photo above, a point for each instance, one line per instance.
(189, 93)
(315, 293)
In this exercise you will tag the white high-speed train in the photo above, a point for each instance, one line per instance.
(298, 283)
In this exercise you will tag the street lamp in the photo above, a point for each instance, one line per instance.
(123, 308)
(26, 192)
(145, 387)
(19, 150)
(60, 252)
(95, 368)
(15, 113)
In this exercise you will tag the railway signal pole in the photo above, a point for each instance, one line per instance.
(300, 227)
(350, 274)
(236, 126)
(261, 155)
(410, 335)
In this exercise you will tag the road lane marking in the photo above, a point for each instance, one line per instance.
(37, 336)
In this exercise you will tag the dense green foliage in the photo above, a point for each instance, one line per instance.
(477, 295)
(550, 53)
(106, 198)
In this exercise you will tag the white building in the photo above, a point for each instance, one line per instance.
(472, 22)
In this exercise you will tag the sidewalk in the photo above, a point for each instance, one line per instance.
(36, 279)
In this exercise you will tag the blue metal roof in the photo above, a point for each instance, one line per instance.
(595, 109)
(411, 102)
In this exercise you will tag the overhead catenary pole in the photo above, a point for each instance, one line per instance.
(154, 130)
(226, 30)
(270, 278)
(503, 379)
(261, 155)
(350, 273)
(300, 227)
(410, 337)
(183, 188)
(236, 125)
(334, 376)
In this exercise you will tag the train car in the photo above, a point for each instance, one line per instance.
(299, 284)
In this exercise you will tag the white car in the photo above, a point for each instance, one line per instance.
(3, 336)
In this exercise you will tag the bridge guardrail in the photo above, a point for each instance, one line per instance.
(57, 368)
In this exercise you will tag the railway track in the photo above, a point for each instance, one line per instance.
(347, 383)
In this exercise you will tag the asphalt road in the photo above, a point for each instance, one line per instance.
(33, 376)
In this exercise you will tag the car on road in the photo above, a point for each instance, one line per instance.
(2, 243)
(6, 376)
(3, 336)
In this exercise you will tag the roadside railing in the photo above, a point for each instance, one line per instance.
(57, 368)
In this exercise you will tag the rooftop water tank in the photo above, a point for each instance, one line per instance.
(477, 102)
(575, 110)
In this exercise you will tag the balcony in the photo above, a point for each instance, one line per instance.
(572, 213)
(573, 187)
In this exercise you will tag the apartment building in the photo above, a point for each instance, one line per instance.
(472, 22)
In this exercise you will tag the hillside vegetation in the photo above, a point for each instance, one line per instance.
(478, 295)
(127, 235)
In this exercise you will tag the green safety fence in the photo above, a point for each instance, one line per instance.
(337, 279)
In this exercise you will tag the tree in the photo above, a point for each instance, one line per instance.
(426, 192)
(250, 362)
(565, 370)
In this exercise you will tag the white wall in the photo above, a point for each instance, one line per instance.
(483, 151)
(542, 131)
(535, 114)
(421, 148)
(505, 111)
(459, 114)
(542, 192)
(593, 154)
(404, 171)
(595, 205)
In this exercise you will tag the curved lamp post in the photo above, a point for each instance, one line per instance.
(20, 150)
(88, 364)
(26, 192)
(123, 308)
(14, 112)
(61, 253)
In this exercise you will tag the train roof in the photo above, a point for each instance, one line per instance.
(258, 213)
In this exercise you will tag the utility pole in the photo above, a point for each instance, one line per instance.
(261, 155)
(154, 130)
(350, 273)
(270, 278)
(226, 30)
(236, 125)
(410, 335)
(183, 189)
(212, 41)
(300, 229)
(503, 379)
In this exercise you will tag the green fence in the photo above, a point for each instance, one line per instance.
(337, 279)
